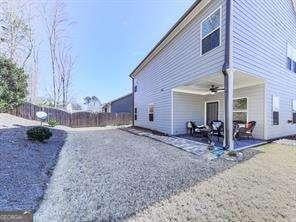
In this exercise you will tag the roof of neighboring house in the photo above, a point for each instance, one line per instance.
(119, 98)
(167, 34)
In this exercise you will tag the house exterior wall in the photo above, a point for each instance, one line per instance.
(122, 105)
(261, 32)
(179, 62)
(186, 107)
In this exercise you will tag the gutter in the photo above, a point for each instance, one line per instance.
(225, 67)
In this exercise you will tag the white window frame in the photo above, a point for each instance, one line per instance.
(275, 103)
(149, 105)
(219, 27)
(293, 105)
(242, 110)
(291, 54)
(205, 109)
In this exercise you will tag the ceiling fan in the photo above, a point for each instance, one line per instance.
(215, 89)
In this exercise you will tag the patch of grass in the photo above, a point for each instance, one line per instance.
(52, 122)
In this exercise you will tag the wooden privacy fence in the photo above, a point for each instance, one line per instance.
(77, 119)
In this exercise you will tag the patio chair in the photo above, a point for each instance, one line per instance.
(217, 128)
(190, 126)
(247, 131)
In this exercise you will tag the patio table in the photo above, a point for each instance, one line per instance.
(207, 132)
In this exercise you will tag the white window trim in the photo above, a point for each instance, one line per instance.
(220, 26)
(153, 113)
(293, 105)
(205, 109)
(243, 110)
(151, 104)
(273, 104)
(291, 54)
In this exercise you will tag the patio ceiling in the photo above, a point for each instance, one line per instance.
(202, 85)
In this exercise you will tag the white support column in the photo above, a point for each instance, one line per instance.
(172, 112)
(230, 109)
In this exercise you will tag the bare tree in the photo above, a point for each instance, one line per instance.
(18, 39)
(54, 21)
(61, 59)
(65, 69)
(16, 31)
(34, 73)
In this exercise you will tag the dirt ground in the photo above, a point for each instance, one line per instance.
(260, 189)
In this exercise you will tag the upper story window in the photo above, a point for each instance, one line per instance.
(211, 32)
(291, 58)
(135, 88)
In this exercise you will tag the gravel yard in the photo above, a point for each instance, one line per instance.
(260, 189)
(112, 174)
(106, 174)
(25, 166)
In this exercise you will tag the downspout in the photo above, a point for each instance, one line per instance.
(133, 103)
(225, 67)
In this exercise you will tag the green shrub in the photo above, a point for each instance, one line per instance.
(53, 122)
(13, 85)
(39, 133)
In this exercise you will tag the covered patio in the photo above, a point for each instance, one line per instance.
(238, 144)
(203, 101)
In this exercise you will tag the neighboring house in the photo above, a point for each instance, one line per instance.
(73, 107)
(123, 104)
(106, 108)
(246, 47)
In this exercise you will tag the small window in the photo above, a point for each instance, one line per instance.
(135, 88)
(136, 114)
(289, 63)
(294, 111)
(275, 118)
(291, 58)
(240, 110)
(294, 118)
(210, 32)
(275, 109)
(151, 112)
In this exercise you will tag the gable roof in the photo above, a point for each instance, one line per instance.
(119, 98)
(195, 4)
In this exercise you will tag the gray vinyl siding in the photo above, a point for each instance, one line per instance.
(186, 107)
(122, 105)
(178, 63)
(262, 30)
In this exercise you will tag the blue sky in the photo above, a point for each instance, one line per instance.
(111, 37)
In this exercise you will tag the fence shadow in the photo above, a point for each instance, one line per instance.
(26, 167)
